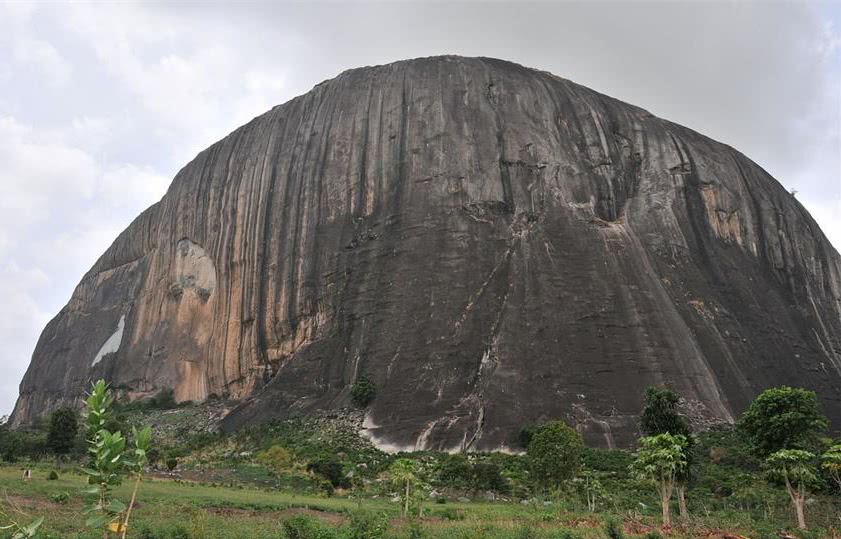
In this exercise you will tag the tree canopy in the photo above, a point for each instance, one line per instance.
(660, 414)
(661, 459)
(783, 418)
(64, 426)
(554, 453)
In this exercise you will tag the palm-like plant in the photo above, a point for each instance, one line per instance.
(831, 462)
(661, 459)
(795, 467)
(403, 474)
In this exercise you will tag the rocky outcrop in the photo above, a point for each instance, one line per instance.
(491, 245)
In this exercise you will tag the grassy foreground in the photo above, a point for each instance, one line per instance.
(181, 510)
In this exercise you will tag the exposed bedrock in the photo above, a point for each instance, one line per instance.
(491, 245)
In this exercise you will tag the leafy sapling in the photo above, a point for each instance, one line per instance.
(661, 459)
(111, 461)
(796, 469)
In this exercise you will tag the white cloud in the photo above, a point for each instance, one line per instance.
(61, 206)
(38, 167)
(21, 319)
(45, 57)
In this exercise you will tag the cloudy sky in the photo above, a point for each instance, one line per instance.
(100, 104)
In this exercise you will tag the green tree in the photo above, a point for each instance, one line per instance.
(660, 416)
(783, 418)
(403, 474)
(64, 426)
(660, 459)
(363, 391)
(590, 487)
(554, 454)
(455, 471)
(796, 469)
(831, 462)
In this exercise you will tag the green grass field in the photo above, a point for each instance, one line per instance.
(171, 509)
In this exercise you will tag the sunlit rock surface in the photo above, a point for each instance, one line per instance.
(491, 245)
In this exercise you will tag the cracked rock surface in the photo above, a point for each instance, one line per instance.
(491, 245)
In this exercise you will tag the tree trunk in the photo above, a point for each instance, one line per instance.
(681, 501)
(406, 502)
(130, 506)
(664, 503)
(801, 517)
(798, 497)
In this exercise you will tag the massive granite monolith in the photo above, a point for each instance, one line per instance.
(491, 245)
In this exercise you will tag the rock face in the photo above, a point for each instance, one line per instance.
(491, 245)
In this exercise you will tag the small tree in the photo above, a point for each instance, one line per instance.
(363, 391)
(795, 467)
(64, 426)
(403, 474)
(659, 416)
(111, 463)
(831, 462)
(135, 464)
(660, 459)
(554, 454)
(783, 418)
(590, 487)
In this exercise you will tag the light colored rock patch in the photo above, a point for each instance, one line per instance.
(193, 268)
(111, 345)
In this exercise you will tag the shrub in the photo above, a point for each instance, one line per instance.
(455, 471)
(613, 529)
(52, 476)
(367, 525)
(554, 453)
(171, 464)
(164, 400)
(329, 469)
(199, 525)
(526, 434)
(277, 458)
(153, 456)
(487, 476)
(363, 391)
(303, 527)
(61, 497)
(448, 514)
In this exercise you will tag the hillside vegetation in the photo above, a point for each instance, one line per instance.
(317, 478)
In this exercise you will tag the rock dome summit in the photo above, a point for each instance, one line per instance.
(490, 245)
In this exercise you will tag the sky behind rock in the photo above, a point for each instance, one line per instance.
(100, 105)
